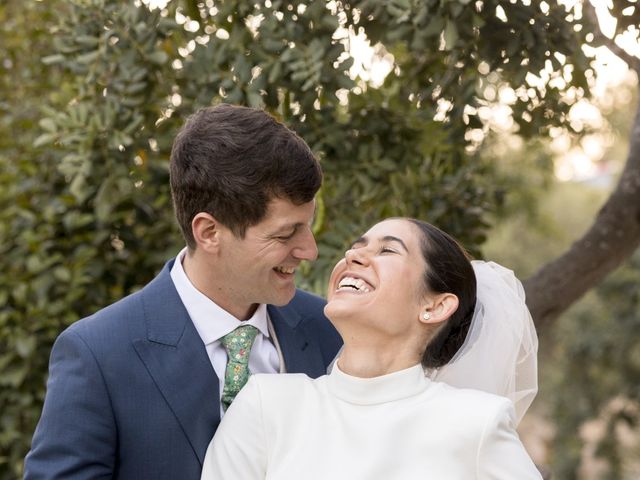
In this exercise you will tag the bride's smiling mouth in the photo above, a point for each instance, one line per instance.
(353, 284)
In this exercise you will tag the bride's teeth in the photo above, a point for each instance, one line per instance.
(353, 284)
(347, 282)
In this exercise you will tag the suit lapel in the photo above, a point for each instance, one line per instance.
(177, 360)
(300, 351)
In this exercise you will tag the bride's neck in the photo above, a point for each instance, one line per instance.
(373, 362)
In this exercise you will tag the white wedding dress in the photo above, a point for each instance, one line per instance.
(400, 426)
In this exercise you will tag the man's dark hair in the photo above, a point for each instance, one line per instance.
(231, 161)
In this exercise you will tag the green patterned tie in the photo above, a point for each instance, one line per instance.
(238, 346)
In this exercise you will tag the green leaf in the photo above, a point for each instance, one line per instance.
(89, 57)
(158, 57)
(79, 188)
(25, 346)
(48, 125)
(44, 139)
(53, 59)
(62, 274)
(254, 99)
(450, 35)
(434, 27)
(13, 376)
(275, 72)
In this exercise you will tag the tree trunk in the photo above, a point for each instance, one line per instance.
(613, 237)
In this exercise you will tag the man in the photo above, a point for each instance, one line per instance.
(137, 390)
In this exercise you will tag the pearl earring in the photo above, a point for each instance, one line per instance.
(426, 316)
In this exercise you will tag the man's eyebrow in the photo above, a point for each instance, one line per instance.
(391, 238)
(288, 228)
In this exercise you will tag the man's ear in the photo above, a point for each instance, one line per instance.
(207, 232)
(439, 309)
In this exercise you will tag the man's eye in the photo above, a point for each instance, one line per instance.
(284, 238)
(387, 250)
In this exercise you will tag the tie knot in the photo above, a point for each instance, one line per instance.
(239, 339)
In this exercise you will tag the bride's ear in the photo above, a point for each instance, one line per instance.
(439, 308)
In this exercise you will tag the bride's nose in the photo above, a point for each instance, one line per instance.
(355, 256)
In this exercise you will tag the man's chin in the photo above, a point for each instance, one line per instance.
(283, 297)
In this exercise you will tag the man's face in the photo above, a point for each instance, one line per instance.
(260, 268)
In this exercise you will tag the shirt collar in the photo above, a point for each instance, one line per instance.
(383, 389)
(211, 321)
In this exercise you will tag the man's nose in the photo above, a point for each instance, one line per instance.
(306, 248)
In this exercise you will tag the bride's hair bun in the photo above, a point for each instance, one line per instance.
(448, 270)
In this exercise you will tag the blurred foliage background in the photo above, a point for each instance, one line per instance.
(92, 93)
(586, 414)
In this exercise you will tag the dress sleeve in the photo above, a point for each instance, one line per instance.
(238, 450)
(501, 455)
(76, 435)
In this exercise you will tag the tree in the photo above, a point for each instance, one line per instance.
(615, 233)
(588, 360)
(393, 142)
(604, 355)
(59, 261)
(26, 183)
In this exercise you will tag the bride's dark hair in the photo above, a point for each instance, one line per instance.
(448, 270)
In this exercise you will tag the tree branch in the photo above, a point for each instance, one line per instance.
(613, 237)
(632, 61)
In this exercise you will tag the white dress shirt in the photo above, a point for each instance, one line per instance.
(213, 322)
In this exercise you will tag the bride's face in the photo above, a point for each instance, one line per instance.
(380, 279)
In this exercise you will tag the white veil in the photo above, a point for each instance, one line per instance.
(499, 355)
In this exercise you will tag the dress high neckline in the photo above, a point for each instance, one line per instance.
(376, 390)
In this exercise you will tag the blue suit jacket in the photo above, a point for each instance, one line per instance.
(132, 394)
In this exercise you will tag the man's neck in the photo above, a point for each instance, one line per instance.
(202, 277)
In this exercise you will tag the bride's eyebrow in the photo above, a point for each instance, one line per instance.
(391, 238)
(364, 241)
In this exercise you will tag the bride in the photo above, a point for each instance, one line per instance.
(404, 301)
